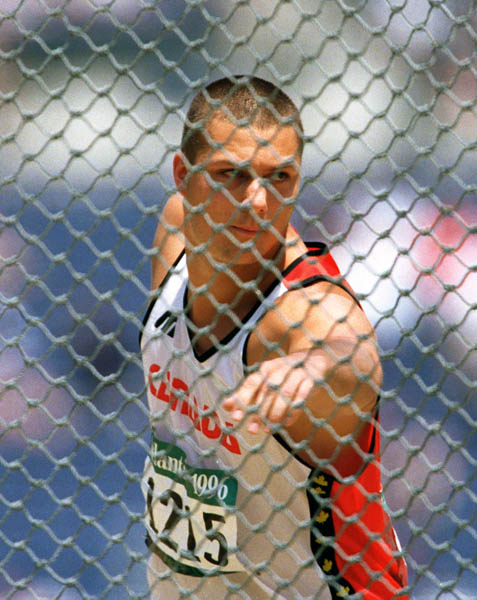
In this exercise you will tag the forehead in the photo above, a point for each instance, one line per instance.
(275, 143)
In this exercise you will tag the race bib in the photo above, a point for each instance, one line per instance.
(191, 517)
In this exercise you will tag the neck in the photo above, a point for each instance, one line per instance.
(217, 298)
(237, 286)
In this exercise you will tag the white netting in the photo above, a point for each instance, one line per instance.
(93, 98)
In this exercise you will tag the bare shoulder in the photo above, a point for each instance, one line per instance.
(300, 318)
(323, 309)
(168, 239)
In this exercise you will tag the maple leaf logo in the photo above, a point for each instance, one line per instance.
(344, 591)
(322, 517)
(327, 565)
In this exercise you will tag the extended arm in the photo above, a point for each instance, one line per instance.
(321, 379)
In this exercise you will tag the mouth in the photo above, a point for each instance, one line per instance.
(245, 230)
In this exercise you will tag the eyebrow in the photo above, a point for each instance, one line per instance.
(289, 162)
(226, 162)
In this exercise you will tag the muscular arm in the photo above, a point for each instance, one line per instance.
(168, 239)
(318, 371)
(321, 379)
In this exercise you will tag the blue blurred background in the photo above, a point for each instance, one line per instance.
(94, 95)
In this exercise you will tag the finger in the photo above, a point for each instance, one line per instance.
(254, 411)
(270, 403)
(259, 413)
(257, 405)
(244, 396)
(266, 396)
(289, 399)
(254, 426)
(303, 391)
(229, 404)
(281, 391)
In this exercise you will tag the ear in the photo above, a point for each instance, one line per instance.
(180, 170)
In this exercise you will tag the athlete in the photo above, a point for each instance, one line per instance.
(263, 379)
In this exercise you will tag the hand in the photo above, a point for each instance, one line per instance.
(273, 395)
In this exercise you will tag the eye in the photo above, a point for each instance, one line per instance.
(233, 176)
(225, 176)
(280, 176)
(229, 173)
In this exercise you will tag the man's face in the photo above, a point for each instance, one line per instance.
(238, 205)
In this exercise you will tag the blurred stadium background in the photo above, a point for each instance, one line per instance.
(93, 93)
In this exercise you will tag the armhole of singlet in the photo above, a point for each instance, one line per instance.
(313, 249)
(319, 278)
(372, 444)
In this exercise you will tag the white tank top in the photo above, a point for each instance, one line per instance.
(226, 507)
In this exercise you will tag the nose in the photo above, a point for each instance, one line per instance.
(256, 197)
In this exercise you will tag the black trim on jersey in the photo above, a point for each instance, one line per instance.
(162, 318)
(154, 300)
(313, 249)
(372, 444)
(322, 531)
(202, 357)
(323, 534)
(317, 279)
(167, 322)
(290, 450)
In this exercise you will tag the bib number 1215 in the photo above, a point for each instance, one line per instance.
(191, 514)
(179, 519)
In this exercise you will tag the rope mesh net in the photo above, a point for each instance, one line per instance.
(94, 95)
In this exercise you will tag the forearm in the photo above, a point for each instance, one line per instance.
(319, 398)
(347, 372)
(342, 384)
